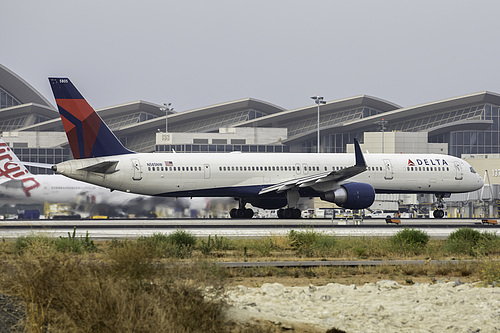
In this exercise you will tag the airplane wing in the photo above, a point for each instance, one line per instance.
(332, 176)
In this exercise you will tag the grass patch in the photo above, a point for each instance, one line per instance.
(471, 242)
(124, 292)
(179, 244)
(409, 241)
(71, 244)
(310, 243)
(171, 282)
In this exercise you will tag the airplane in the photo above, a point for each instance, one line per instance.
(268, 181)
(17, 183)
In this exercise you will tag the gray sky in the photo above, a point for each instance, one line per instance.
(198, 53)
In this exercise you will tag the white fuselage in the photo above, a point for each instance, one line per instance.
(60, 189)
(245, 174)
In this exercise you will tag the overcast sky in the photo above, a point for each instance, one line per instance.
(199, 53)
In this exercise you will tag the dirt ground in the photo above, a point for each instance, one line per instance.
(347, 280)
(11, 310)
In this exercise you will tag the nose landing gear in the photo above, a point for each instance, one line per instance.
(439, 212)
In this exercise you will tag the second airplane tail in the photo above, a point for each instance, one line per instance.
(88, 135)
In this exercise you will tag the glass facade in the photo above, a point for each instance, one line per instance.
(215, 148)
(13, 124)
(439, 118)
(7, 100)
(459, 142)
(310, 124)
(128, 119)
(475, 142)
(210, 124)
(331, 143)
(43, 155)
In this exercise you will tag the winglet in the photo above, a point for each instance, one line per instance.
(360, 160)
(88, 135)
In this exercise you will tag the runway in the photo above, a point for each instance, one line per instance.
(134, 228)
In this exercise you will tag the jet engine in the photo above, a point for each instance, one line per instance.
(351, 195)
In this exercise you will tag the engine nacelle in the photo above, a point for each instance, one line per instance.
(351, 196)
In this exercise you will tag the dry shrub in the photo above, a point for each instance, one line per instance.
(362, 247)
(68, 293)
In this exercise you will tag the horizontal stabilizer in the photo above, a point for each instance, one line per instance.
(12, 183)
(102, 167)
(38, 165)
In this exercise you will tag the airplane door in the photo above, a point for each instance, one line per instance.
(304, 169)
(297, 169)
(206, 170)
(137, 169)
(459, 173)
(389, 173)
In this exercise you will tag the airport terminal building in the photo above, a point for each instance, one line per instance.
(468, 124)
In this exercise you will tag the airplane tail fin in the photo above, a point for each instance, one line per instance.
(13, 173)
(88, 135)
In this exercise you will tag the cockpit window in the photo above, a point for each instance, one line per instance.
(472, 170)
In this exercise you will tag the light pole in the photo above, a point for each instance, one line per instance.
(318, 100)
(382, 123)
(166, 108)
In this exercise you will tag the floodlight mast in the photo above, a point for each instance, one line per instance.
(382, 124)
(166, 108)
(318, 100)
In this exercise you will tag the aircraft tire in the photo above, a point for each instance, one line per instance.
(438, 214)
(288, 213)
(240, 213)
(248, 213)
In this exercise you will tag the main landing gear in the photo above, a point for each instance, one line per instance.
(439, 212)
(241, 212)
(292, 197)
(289, 213)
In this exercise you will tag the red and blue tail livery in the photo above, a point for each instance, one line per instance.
(87, 134)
